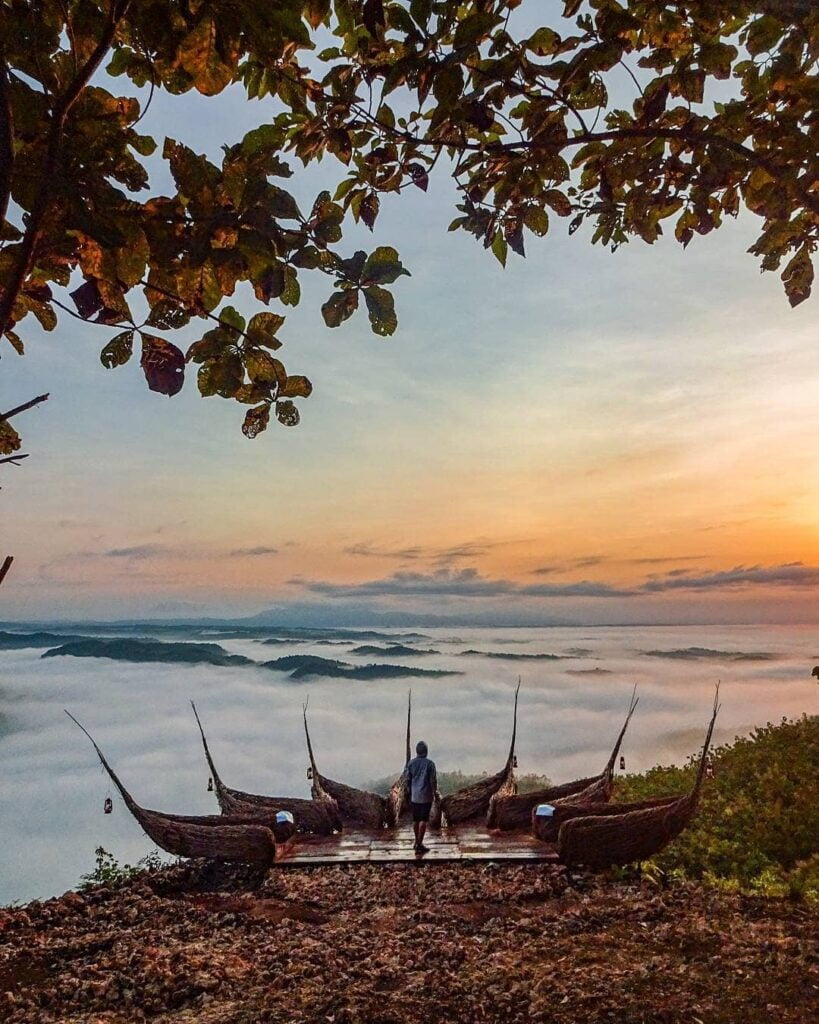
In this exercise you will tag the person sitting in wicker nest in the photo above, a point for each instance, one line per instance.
(423, 784)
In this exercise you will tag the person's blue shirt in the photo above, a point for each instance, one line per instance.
(423, 780)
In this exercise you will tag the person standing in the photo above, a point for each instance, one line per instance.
(423, 784)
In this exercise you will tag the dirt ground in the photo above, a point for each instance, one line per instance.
(441, 944)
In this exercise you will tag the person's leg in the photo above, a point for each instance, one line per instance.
(423, 816)
(415, 828)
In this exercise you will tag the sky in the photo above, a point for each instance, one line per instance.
(583, 437)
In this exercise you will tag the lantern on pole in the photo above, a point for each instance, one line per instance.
(108, 806)
(622, 763)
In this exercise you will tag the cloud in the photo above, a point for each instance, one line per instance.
(253, 552)
(367, 550)
(440, 556)
(586, 562)
(789, 574)
(665, 560)
(469, 583)
(137, 551)
(589, 561)
(457, 583)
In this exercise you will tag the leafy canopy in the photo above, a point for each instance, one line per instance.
(720, 112)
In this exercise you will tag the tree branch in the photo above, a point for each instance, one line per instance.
(612, 135)
(23, 408)
(13, 459)
(6, 140)
(51, 164)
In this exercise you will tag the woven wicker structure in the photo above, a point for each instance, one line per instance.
(511, 812)
(472, 802)
(318, 817)
(598, 841)
(355, 806)
(246, 840)
(547, 828)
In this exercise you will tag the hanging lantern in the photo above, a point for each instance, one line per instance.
(210, 784)
(310, 772)
(622, 763)
(709, 769)
(108, 806)
(515, 761)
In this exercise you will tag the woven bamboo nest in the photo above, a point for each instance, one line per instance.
(355, 806)
(472, 802)
(319, 817)
(511, 812)
(211, 836)
(597, 841)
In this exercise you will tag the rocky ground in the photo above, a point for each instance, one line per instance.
(442, 944)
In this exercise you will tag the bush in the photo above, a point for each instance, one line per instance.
(757, 826)
(108, 871)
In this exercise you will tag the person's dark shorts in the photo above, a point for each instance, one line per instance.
(420, 812)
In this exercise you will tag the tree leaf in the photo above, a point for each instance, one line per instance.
(798, 277)
(316, 12)
(168, 315)
(381, 309)
(559, 202)
(163, 365)
(231, 318)
(536, 219)
(340, 307)
(9, 438)
(199, 55)
(262, 368)
(368, 210)
(87, 299)
(256, 420)
(373, 16)
(474, 27)
(296, 387)
(223, 376)
(287, 414)
(118, 350)
(16, 342)
(261, 330)
(499, 248)
(419, 175)
(383, 267)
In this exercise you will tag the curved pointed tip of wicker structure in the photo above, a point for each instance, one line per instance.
(632, 707)
(473, 801)
(319, 817)
(213, 837)
(356, 806)
(509, 811)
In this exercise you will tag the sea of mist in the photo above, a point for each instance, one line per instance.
(53, 788)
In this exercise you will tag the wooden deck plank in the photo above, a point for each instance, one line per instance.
(390, 846)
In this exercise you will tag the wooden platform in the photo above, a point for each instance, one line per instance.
(390, 846)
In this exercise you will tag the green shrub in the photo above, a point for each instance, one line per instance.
(108, 871)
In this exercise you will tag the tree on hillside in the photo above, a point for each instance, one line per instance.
(722, 114)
